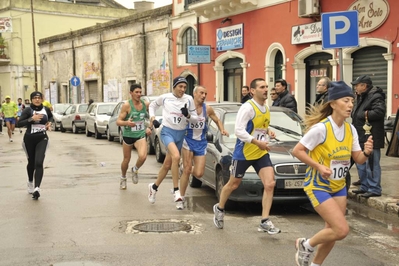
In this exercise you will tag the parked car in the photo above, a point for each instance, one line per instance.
(58, 111)
(74, 118)
(289, 171)
(113, 130)
(97, 118)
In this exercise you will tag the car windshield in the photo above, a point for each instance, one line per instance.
(105, 108)
(60, 108)
(286, 126)
(82, 108)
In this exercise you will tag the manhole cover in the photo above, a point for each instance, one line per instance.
(162, 227)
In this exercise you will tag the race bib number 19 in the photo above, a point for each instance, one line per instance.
(176, 120)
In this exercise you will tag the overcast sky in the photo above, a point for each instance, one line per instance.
(157, 3)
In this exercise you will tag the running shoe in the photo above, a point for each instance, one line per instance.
(218, 217)
(302, 255)
(268, 227)
(36, 193)
(122, 184)
(135, 176)
(180, 204)
(20, 131)
(11, 140)
(176, 196)
(152, 193)
(31, 188)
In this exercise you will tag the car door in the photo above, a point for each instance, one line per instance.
(90, 117)
(113, 128)
(66, 119)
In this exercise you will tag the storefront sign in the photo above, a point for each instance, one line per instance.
(230, 38)
(5, 25)
(306, 33)
(372, 14)
(318, 72)
(197, 54)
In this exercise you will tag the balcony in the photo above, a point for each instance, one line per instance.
(4, 60)
(219, 8)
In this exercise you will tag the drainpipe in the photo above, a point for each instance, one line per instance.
(102, 67)
(144, 73)
(198, 42)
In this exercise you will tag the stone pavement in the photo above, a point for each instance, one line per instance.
(389, 183)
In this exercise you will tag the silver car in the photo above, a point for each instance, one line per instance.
(74, 118)
(58, 111)
(97, 118)
(113, 130)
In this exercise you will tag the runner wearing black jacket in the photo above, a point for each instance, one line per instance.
(36, 118)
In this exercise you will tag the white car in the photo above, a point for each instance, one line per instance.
(97, 118)
(74, 118)
(58, 112)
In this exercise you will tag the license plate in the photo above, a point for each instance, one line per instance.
(294, 183)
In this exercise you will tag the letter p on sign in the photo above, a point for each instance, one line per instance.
(340, 29)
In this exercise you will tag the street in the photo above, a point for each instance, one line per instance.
(83, 218)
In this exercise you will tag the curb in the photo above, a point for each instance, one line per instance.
(384, 203)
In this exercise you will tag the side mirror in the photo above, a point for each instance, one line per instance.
(209, 137)
(91, 114)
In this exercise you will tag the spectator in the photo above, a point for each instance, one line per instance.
(245, 94)
(322, 90)
(273, 96)
(91, 101)
(285, 99)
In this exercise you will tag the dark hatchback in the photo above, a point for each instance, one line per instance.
(289, 171)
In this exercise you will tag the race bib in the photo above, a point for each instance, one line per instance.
(176, 120)
(139, 126)
(339, 169)
(38, 128)
(199, 125)
(261, 134)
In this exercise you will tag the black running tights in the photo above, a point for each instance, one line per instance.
(35, 149)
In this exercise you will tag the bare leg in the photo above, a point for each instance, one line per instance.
(141, 147)
(266, 174)
(127, 154)
(188, 165)
(228, 189)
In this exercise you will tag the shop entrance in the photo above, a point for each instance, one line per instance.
(317, 66)
(233, 75)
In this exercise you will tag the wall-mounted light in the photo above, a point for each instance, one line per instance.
(225, 20)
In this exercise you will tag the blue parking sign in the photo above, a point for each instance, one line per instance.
(340, 29)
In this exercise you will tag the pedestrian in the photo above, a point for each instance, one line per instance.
(327, 147)
(195, 143)
(178, 109)
(9, 111)
(368, 119)
(273, 96)
(21, 107)
(90, 102)
(131, 118)
(246, 95)
(47, 104)
(27, 102)
(1, 120)
(285, 99)
(36, 118)
(251, 149)
(322, 90)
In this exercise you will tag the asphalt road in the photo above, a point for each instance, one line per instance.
(82, 218)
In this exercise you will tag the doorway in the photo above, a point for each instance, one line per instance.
(233, 76)
(317, 66)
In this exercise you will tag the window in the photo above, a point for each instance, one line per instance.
(189, 38)
(189, 2)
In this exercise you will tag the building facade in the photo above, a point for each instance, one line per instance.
(102, 61)
(17, 71)
(275, 39)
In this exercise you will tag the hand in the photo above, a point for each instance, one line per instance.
(156, 124)
(184, 110)
(225, 133)
(48, 126)
(324, 171)
(368, 145)
(148, 131)
(37, 117)
(272, 134)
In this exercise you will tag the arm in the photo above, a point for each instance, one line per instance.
(122, 116)
(192, 115)
(377, 110)
(25, 116)
(361, 157)
(215, 119)
(50, 117)
(152, 107)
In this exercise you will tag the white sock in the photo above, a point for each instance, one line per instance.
(308, 246)
(314, 264)
(123, 177)
(135, 169)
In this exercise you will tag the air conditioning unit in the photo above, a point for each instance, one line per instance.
(308, 8)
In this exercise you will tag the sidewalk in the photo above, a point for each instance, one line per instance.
(389, 183)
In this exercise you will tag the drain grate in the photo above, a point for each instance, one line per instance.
(162, 227)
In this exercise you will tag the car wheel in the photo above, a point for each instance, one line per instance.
(88, 133)
(62, 129)
(150, 147)
(194, 182)
(97, 134)
(120, 137)
(74, 129)
(109, 137)
(158, 152)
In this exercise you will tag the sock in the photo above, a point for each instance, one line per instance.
(264, 220)
(308, 246)
(155, 187)
(123, 177)
(135, 169)
(220, 209)
(175, 189)
(314, 264)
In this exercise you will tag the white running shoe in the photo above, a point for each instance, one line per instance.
(268, 227)
(11, 140)
(36, 193)
(31, 188)
(302, 255)
(135, 176)
(152, 193)
(180, 204)
(122, 184)
(218, 218)
(176, 196)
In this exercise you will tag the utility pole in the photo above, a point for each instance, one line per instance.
(34, 45)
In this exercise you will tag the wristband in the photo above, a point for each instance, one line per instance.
(365, 154)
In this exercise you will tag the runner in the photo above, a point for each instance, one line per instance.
(195, 143)
(178, 109)
(36, 119)
(131, 119)
(9, 111)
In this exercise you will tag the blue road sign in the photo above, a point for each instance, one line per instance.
(340, 29)
(75, 81)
